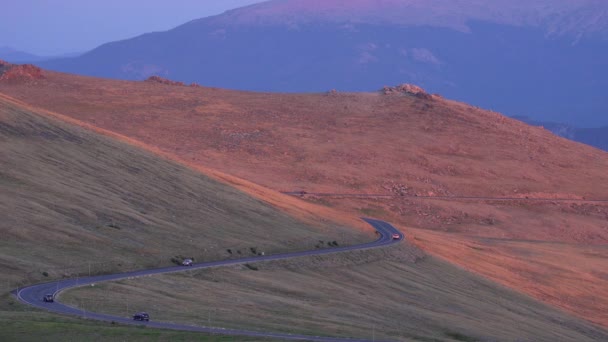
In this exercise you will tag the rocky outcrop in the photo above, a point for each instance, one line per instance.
(19, 73)
(408, 89)
(162, 80)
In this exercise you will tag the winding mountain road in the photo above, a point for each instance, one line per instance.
(32, 295)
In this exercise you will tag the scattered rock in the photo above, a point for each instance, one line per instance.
(408, 89)
(396, 188)
(161, 80)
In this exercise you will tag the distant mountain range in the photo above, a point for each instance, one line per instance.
(597, 137)
(545, 59)
(16, 56)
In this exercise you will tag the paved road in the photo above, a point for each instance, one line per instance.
(33, 295)
(466, 198)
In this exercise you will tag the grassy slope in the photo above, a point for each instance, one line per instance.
(74, 201)
(386, 294)
(64, 186)
(18, 323)
(368, 143)
(336, 143)
(553, 251)
(75, 198)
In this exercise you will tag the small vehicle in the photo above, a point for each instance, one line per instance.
(141, 316)
(187, 262)
(396, 236)
(48, 298)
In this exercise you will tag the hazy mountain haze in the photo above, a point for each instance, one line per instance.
(15, 56)
(544, 59)
(50, 28)
(556, 16)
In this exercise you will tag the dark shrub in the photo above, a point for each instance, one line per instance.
(251, 267)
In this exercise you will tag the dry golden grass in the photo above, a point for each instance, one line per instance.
(343, 142)
(569, 276)
(368, 143)
(530, 247)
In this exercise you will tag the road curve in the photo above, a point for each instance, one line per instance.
(32, 295)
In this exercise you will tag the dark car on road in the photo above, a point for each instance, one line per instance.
(48, 298)
(141, 316)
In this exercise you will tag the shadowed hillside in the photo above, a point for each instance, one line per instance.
(374, 295)
(78, 202)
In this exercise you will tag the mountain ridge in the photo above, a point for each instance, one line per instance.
(559, 17)
(593, 136)
(488, 63)
(16, 56)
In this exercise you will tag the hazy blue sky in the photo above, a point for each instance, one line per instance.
(50, 27)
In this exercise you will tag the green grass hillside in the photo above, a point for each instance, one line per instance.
(75, 201)
(388, 294)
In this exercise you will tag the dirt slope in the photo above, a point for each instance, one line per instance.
(389, 144)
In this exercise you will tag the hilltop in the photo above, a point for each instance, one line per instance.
(389, 143)
(526, 58)
(335, 141)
